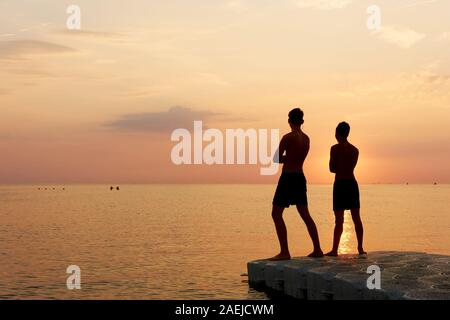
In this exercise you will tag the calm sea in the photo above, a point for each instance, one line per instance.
(186, 241)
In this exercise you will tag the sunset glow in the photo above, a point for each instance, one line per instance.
(98, 105)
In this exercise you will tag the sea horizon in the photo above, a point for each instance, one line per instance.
(207, 183)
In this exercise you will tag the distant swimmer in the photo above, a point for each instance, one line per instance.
(111, 188)
(117, 188)
(291, 189)
(343, 160)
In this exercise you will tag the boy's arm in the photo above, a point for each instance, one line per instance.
(279, 156)
(332, 160)
(308, 144)
(356, 158)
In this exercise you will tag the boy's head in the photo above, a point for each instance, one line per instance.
(342, 131)
(296, 117)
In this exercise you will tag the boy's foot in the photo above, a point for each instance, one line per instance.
(332, 254)
(280, 257)
(361, 251)
(316, 254)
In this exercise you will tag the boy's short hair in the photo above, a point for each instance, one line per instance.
(296, 116)
(343, 129)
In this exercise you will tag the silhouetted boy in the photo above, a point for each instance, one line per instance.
(343, 160)
(291, 189)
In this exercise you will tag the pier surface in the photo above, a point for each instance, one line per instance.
(404, 275)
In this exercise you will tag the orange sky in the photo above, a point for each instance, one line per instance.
(97, 105)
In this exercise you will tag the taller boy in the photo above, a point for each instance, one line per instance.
(291, 189)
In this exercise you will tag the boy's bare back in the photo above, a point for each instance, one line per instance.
(296, 145)
(343, 160)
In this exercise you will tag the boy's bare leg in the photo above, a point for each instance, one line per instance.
(280, 226)
(359, 229)
(312, 230)
(338, 229)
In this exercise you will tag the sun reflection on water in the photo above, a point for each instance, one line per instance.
(347, 238)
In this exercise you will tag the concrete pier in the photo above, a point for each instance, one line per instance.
(404, 275)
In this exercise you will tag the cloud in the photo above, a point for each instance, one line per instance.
(36, 28)
(236, 6)
(424, 86)
(436, 79)
(444, 37)
(419, 3)
(401, 36)
(6, 136)
(211, 78)
(29, 71)
(141, 92)
(91, 34)
(4, 92)
(106, 61)
(323, 4)
(20, 49)
(165, 121)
